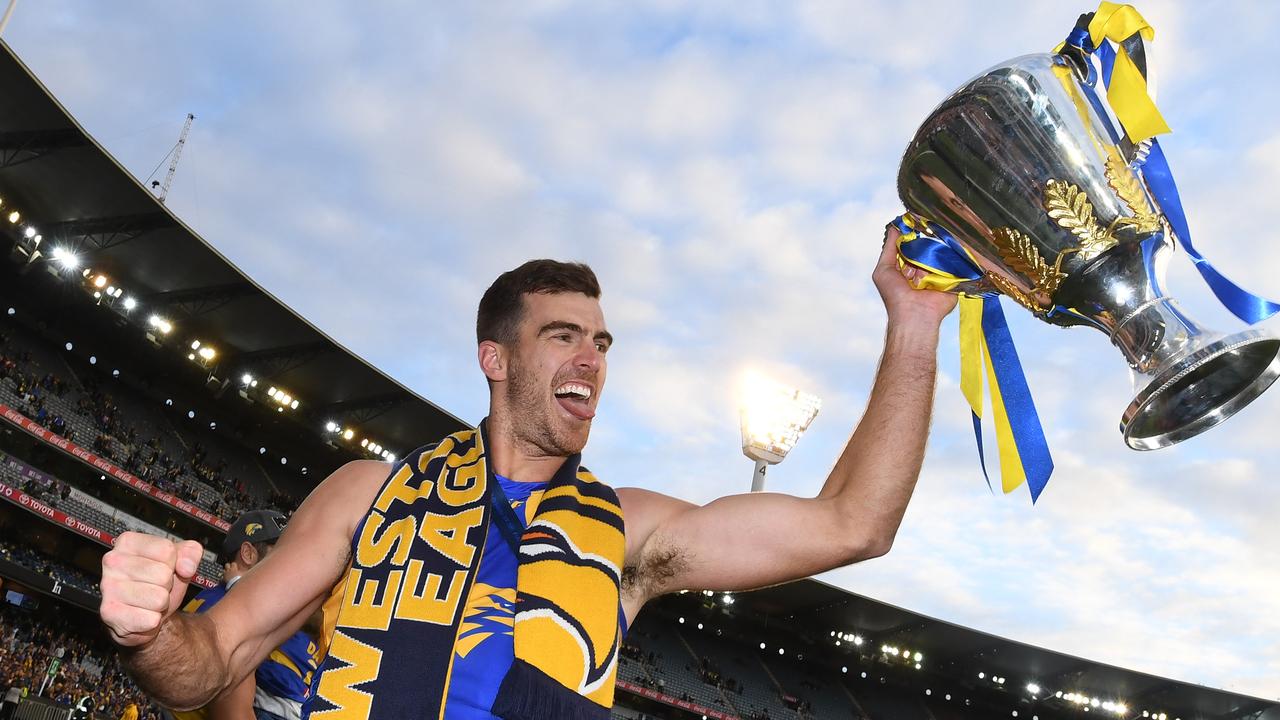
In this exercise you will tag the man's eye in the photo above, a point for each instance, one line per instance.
(602, 347)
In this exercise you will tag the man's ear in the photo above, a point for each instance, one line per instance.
(248, 554)
(493, 360)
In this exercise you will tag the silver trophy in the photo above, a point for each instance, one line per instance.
(1020, 167)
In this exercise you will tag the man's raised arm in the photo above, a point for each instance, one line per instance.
(759, 539)
(184, 660)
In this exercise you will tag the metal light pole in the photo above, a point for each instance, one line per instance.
(773, 417)
(8, 13)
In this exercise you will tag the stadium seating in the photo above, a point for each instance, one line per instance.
(35, 560)
(88, 667)
(130, 430)
(49, 492)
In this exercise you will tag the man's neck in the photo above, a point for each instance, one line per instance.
(515, 459)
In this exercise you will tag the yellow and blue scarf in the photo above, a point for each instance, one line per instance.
(415, 558)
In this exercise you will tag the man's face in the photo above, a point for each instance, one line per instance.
(557, 371)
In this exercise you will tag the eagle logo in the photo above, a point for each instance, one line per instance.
(252, 528)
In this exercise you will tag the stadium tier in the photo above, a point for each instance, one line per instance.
(147, 384)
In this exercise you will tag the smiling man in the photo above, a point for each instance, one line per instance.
(491, 575)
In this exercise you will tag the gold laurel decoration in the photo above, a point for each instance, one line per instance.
(1127, 187)
(1021, 255)
(1069, 206)
(1013, 292)
(1125, 184)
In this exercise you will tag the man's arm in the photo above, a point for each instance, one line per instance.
(759, 539)
(236, 703)
(184, 660)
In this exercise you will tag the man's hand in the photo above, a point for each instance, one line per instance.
(897, 286)
(143, 581)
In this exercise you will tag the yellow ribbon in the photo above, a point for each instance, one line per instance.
(1127, 92)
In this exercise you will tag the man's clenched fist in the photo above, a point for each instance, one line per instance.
(143, 581)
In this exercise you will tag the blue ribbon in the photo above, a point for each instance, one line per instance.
(1243, 304)
(1028, 433)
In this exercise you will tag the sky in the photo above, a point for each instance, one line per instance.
(727, 168)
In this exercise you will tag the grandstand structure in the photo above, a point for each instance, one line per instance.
(148, 384)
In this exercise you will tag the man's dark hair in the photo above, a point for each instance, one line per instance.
(502, 306)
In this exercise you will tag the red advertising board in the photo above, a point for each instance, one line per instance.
(674, 702)
(76, 525)
(110, 469)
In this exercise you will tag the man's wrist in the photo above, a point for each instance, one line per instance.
(912, 334)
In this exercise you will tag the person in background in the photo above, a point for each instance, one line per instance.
(281, 683)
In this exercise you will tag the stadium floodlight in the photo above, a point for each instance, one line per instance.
(348, 434)
(66, 258)
(773, 417)
(100, 281)
(208, 353)
(1033, 688)
(331, 426)
(159, 323)
(246, 379)
(130, 303)
(14, 217)
(29, 233)
(195, 344)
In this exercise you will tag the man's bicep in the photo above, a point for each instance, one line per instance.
(743, 542)
(276, 596)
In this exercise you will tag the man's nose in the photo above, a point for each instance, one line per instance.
(588, 356)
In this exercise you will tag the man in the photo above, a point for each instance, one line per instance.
(440, 600)
(277, 689)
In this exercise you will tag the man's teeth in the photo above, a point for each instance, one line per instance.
(576, 389)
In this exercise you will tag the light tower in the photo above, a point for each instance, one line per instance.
(773, 417)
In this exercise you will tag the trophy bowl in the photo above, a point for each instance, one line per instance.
(1024, 168)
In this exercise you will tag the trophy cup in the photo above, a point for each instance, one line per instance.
(1025, 169)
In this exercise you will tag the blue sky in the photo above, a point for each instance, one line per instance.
(727, 168)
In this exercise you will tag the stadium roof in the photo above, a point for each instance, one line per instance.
(81, 198)
(812, 609)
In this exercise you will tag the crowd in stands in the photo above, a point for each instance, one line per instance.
(88, 668)
(127, 442)
(31, 558)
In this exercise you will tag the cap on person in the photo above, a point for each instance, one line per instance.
(255, 526)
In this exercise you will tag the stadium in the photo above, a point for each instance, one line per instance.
(148, 384)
